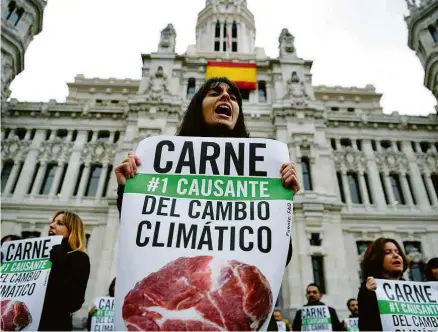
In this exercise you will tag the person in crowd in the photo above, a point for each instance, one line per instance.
(68, 278)
(383, 259)
(353, 307)
(314, 296)
(431, 270)
(204, 119)
(283, 324)
(111, 290)
(10, 237)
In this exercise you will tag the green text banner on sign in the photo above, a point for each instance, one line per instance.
(103, 317)
(205, 230)
(407, 304)
(24, 274)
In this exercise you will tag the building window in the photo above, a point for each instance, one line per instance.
(396, 188)
(116, 136)
(362, 246)
(9, 10)
(114, 101)
(408, 179)
(424, 146)
(345, 142)
(382, 182)
(20, 133)
(307, 176)
(62, 134)
(78, 181)
(225, 30)
(341, 188)
(434, 32)
(335, 109)
(64, 172)
(262, 91)
(416, 265)
(315, 239)
(353, 184)
(423, 176)
(385, 144)
(217, 31)
(350, 109)
(74, 135)
(103, 136)
(234, 46)
(87, 239)
(399, 146)
(359, 144)
(30, 234)
(16, 16)
(90, 136)
(191, 87)
(32, 134)
(224, 46)
(107, 180)
(37, 167)
(434, 178)
(7, 132)
(217, 46)
(93, 180)
(333, 143)
(414, 146)
(48, 179)
(6, 172)
(373, 145)
(318, 272)
(234, 30)
(245, 94)
(367, 184)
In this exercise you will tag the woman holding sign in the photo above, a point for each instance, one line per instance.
(69, 275)
(383, 259)
(214, 111)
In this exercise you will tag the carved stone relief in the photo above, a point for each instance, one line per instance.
(15, 149)
(55, 150)
(392, 161)
(350, 160)
(99, 152)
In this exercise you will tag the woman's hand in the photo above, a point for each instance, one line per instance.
(289, 177)
(371, 284)
(127, 169)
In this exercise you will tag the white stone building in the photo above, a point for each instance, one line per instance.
(364, 174)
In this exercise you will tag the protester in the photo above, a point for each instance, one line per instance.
(93, 309)
(431, 270)
(383, 259)
(204, 118)
(10, 237)
(353, 307)
(283, 324)
(68, 278)
(314, 296)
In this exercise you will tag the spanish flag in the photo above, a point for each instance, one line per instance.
(244, 75)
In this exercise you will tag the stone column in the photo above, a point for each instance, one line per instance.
(363, 189)
(102, 181)
(12, 177)
(39, 178)
(431, 189)
(346, 187)
(56, 179)
(373, 175)
(84, 180)
(406, 190)
(388, 187)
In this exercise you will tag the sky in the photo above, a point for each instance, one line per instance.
(352, 43)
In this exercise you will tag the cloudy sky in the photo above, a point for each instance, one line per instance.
(352, 43)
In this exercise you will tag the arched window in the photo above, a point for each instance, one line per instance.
(17, 15)
(307, 177)
(353, 184)
(396, 188)
(9, 10)
(217, 32)
(191, 87)
(434, 32)
(234, 30)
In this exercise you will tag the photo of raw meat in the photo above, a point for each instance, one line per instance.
(199, 294)
(15, 315)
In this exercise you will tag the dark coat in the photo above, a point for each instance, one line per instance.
(272, 324)
(336, 324)
(66, 287)
(369, 315)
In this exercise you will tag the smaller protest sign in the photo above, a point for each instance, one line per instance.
(352, 324)
(24, 274)
(407, 304)
(281, 325)
(316, 318)
(103, 317)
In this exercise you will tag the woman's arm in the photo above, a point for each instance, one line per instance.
(76, 280)
(369, 316)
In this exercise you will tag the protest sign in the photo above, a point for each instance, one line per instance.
(407, 305)
(281, 325)
(352, 324)
(103, 317)
(316, 318)
(24, 274)
(204, 235)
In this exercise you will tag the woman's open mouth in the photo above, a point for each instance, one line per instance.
(51, 232)
(223, 110)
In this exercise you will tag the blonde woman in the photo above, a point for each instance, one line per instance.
(69, 276)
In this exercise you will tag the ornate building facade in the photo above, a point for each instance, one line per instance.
(364, 174)
(423, 38)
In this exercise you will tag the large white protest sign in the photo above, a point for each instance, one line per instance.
(103, 317)
(24, 274)
(407, 305)
(316, 318)
(352, 324)
(204, 235)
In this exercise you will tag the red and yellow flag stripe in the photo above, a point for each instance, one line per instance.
(244, 75)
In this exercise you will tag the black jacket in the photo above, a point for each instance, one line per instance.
(272, 324)
(369, 315)
(336, 324)
(66, 287)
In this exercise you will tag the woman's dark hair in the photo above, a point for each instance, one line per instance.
(11, 237)
(112, 288)
(431, 264)
(193, 123)
(372, 263)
